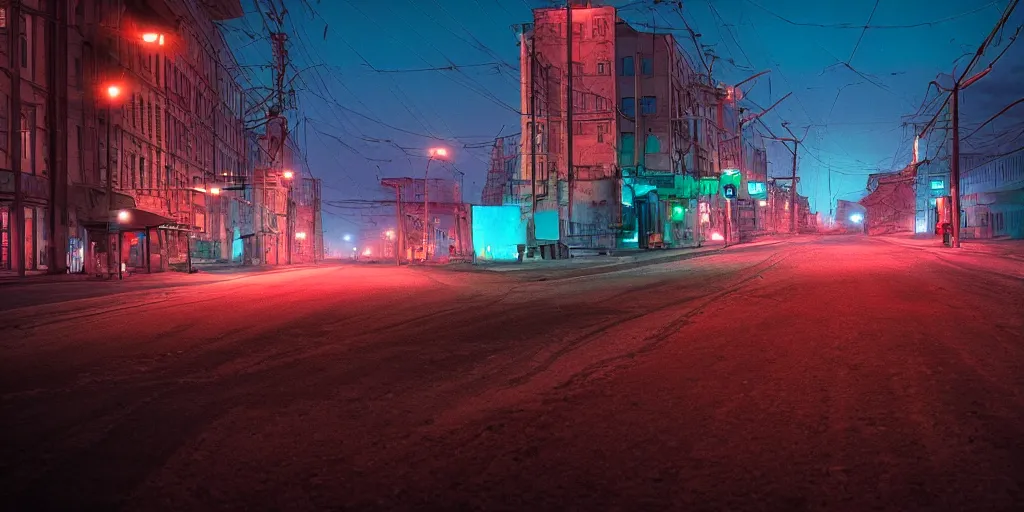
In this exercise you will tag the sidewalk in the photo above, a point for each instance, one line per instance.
(592, 265)
(206, 273)
(1004, 248)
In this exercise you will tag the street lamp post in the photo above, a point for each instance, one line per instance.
(113, 92)
(288, 219)
(434, 153)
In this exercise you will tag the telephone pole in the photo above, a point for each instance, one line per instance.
(953, 100)
(792, 190)
(533, 139)
(568, 105)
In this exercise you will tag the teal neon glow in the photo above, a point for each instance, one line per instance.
(497, 230)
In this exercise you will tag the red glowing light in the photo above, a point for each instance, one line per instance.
(113, 91)
(438, 152)
(288, 175)
(717, 236)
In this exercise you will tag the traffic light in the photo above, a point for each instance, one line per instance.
(729, 191)
(678, 212)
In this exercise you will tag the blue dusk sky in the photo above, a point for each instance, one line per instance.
(379, 82)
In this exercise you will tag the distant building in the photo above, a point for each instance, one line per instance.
(645, 132)
(503, 174)
(890, 203)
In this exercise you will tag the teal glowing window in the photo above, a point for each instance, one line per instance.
(937, 184)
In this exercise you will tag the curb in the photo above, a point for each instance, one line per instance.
(229, 276)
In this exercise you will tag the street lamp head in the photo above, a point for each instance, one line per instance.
(113, 91)
(301, 235)
(288, 175)
(123, 216)
(438, 153)
(215, 191)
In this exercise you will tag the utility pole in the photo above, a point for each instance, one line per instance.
(954, 165)
(17, 216)
(278, 40)
(533, 138)
(399, 231)
(953, 100)
(568, 105)
(831, 215)
(637, 118)
(792, 191)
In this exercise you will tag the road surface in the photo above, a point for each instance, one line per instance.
(832, 373)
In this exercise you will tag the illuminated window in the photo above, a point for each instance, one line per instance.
(937, 184)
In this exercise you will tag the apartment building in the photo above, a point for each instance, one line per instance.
(645, 130)
(148, 163)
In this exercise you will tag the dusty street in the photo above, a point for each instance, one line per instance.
(831, 373)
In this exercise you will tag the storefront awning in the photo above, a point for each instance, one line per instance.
(131, 219)
(93, 206)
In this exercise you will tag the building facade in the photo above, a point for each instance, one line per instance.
(650, 137)
(993, 198)
(134, 154)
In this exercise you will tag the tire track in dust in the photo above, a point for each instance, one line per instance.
(745, 275)
(650, 343)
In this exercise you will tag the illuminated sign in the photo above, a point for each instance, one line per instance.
(757, 189)
(938, 184)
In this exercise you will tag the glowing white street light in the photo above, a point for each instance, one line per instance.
(440, 153)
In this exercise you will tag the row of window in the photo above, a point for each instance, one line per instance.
(648, 106)
(1005, 171)
(600, 27)
(627, 67)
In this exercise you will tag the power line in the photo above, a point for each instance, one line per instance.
(868, 25)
